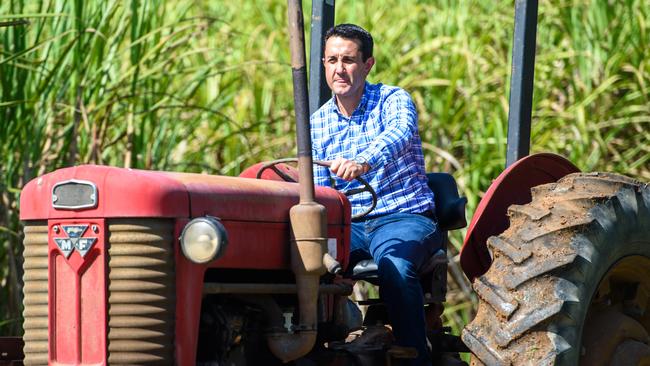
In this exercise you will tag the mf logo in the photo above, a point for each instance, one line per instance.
(74, 240)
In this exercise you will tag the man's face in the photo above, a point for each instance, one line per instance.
(345, 69)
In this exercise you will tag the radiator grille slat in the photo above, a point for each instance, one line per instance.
(35, 311)
(124, 297)
(35, 323)
(35, 298)
(141, 291)
(36, 347)
(136, 346)
(36, 275)
(127, 334)
(139, 358)
(120, 309)
(137, 261)
(135, 274)
(36, 335)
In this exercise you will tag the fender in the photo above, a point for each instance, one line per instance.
(512, 186)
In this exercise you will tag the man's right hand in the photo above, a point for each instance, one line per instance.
(348, 169)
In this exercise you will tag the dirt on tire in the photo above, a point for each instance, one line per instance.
(547, 266)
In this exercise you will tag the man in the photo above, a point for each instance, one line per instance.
(370, 130)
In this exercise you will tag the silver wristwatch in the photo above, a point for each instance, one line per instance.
(360, 160)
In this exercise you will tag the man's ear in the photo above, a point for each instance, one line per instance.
(370, 62)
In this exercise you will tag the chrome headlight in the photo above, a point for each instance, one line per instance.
(204, 239)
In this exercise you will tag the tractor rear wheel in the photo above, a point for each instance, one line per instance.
(570, 278)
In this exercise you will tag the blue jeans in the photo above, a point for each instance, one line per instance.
(400, 244)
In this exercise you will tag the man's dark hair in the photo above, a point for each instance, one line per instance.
(355, 33)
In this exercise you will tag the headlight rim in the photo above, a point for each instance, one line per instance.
(220, 232)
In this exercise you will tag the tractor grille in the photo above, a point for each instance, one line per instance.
(35, 290)
(141, 292)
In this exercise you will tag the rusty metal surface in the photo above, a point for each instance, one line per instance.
(141, 291)
(35, 300)
(309, 227)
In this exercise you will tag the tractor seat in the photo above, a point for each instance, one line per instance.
(450, 215)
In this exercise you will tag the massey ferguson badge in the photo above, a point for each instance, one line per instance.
(74, 240)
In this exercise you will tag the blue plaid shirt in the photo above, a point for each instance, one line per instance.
(382, 130)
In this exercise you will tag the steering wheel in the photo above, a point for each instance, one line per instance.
(366, 186)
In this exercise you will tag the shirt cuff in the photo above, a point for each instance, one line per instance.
(365, 157)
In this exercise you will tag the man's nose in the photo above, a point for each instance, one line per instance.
(340, 67)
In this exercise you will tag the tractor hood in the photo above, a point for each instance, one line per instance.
(102, 191)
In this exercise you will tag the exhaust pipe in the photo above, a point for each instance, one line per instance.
(308, 223)
(308, 218)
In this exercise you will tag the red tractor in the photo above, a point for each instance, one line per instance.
(141, 267)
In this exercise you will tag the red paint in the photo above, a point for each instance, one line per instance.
(138, 193)
(254, 200)
(121, 193)
(189, 292)
(266, 247)
(511, 187)
(341, 233)
(77, 290)
(255, 213)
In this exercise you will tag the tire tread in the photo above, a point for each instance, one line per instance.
(542, 277)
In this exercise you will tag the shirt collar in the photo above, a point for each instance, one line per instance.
(361, 108)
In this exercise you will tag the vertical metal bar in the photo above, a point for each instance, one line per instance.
(521, 84)
(322, 19)
(300, 97)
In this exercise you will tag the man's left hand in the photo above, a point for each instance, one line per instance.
(348, 169)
